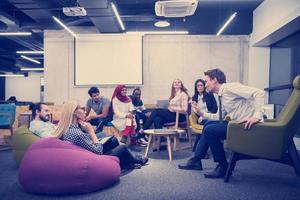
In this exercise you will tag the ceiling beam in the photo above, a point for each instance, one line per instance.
(8, 65)
(101, 15)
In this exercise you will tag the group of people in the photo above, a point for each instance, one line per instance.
(235, 101)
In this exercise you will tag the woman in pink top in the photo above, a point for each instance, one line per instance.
(178, 102)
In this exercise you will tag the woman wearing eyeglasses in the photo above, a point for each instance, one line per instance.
(73, 128)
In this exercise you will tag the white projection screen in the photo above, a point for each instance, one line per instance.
(108, 60)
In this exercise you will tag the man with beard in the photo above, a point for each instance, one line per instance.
(40, 124)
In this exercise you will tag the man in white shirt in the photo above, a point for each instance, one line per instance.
(40, 124)
(240, 103)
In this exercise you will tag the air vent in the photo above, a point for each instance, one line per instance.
(175, 8)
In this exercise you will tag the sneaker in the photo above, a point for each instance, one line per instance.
(142, 159)
(141, 144)
(192, 164)
(142, 141)
(124, 139)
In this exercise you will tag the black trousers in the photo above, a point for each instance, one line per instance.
(160, 116)
(113, 148)
(213, 134)
(100, 122)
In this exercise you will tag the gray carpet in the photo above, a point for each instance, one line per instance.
(252, 179)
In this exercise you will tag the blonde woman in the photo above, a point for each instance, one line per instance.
(74, 128)
(178, 102)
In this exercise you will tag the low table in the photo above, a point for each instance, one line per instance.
(168, 133)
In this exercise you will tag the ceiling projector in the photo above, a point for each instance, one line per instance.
(74, 11)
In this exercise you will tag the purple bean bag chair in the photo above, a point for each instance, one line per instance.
(53, 166)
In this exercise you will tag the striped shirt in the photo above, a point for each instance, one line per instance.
(78, 137)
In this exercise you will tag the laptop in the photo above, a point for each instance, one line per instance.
(162, 103)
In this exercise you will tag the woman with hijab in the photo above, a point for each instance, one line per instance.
(123, 112)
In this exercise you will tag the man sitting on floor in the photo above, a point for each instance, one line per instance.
(240, 103)
(40, 124)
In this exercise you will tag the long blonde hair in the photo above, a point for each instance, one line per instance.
(66, 117)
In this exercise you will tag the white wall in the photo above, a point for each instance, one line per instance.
(269, 17)
(272, 15)
(259, 62)
(165, 58)
(24, 88)
(187, 57)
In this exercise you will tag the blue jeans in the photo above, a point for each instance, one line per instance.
(139, 116)
(213, 134)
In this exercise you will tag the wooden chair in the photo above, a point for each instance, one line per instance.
(182, 125)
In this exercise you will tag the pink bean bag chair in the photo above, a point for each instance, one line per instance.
(53, 166)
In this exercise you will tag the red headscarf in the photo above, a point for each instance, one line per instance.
(117, 94)
(120, 97)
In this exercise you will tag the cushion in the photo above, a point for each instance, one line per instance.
(22, 139)
(53, 166)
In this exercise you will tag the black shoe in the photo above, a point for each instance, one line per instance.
(218, 172)
(192, 164)
(124, 139)
(142, 159)
(132, 166)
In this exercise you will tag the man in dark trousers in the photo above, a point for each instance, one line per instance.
(237, 102)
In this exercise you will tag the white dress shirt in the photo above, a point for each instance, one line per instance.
(202, 104)
(239, 102)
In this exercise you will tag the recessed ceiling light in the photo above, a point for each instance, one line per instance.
(11, 75)
(159, 32)
(15, 33)
(162, 23)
